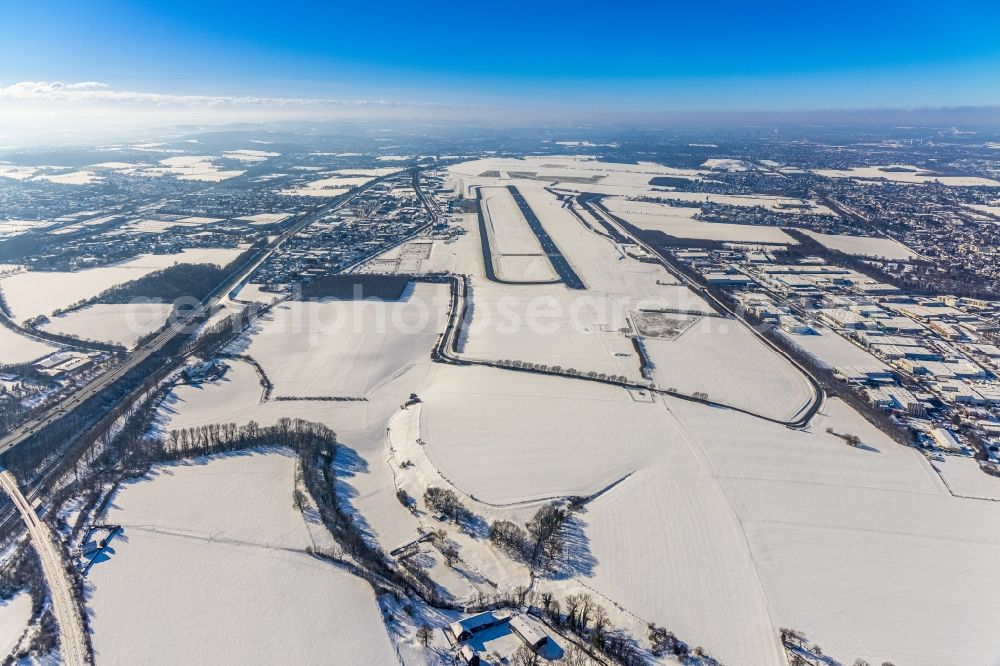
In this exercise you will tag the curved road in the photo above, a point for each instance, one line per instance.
(72, 639)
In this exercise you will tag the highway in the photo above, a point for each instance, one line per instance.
(72, 641)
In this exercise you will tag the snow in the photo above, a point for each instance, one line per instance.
(512, 437)
(758, 527)
(16, 348)
(725, 164)
(34, 293)
(865, 246)
(70, 178)
(338, 182)
(212, 568)
(680, 222)
(265, 218)
(548, 324)
(964, 478)
(15, 227)
(902, 173)
(671, 551)
(250, 156)
(15, 613)
(772, 203)
(347, 348)
(192, 167)
(723, 358)
(122, 324)
(16, 172)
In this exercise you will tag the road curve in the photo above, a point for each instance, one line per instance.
(72, 639)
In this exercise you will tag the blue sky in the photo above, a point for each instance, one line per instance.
(619, 57)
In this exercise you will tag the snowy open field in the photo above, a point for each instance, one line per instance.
(192, 167)
(70, 178)
(212, 568)
(864, 246)
(14, 616)
(901, 173)
(572, 172)
(15, 227)
(509, 437)
(347, 348)
(264, 218)
(680, 222)
(773, 203)
(964, 478)
(780, 528)
(548, 324)
(118, 324)
(250, 156)
(338, 182)
(34, 293)
(17, 348)
(723, 358)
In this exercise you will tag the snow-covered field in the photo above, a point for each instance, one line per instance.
(722, 358)
(347, 348)
(548, 324)
(725, 164)
(964, 478)
(509, 437)
(773, 203)
(864, 246)
(33, 293)
(17, 348)
(250, 156)
(338, 182)
(901, 173)
(16, 172)
(264, 218)
(679, 221)
(71, 178)
(14, 616)
(212, 568)
(15, 227)
(119, 324)
(192, 167)
(759, 527)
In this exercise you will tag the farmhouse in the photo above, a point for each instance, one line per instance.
(532, 636)
(461, 630)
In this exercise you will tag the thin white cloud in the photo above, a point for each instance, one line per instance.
(97, 92)
(84, 111)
